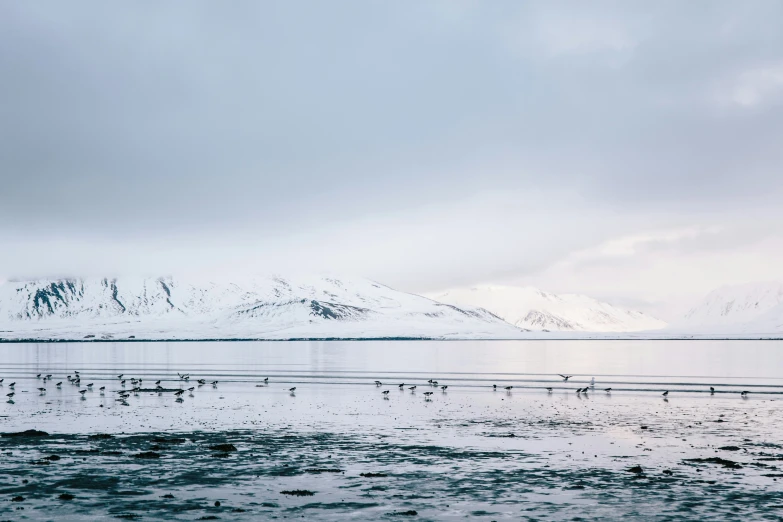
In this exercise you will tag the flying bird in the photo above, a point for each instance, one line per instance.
(565, 377)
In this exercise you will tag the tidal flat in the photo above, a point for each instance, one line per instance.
(338, 447)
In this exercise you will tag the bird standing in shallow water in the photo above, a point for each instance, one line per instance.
(386, 392)
(292, 390)
(549, 390)
(666, 393)
(509, 388)
(712, 390)
(744, 393)
(608, 390)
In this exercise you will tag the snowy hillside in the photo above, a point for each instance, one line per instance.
(533, 309)
(263, 308)
(748, 308)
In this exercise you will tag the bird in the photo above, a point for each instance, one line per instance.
(744, 393)
(122, 382)
(427, 394)
(266, 380)
(179, 392)
(412, 388)
(549, 390)
(214, 383)
(292, 390)
(608, 390)
(9, 395)
(120, 376)
(434, 383)
(386, 392)
(191, 389)
(49, 376)
(578, 391)
(430, 381)
(12, 385)
(444, 387)
(508, 388)
(666, 393)
(42, 390)
(102, 388)
(565, 377)
(494, 386)
(200, 382)
(1, 381)
(712, 390)
(378, 383)
(89, 385)
(82, 392)
(401, 385)
(38, 376)
(59, 384)
(157, 383)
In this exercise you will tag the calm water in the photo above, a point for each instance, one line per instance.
(465, 452)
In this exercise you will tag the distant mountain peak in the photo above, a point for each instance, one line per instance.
(531, 308)
(755, 307)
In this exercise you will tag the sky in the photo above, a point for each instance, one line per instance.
(627, 150)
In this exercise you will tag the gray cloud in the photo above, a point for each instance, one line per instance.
(264, 123)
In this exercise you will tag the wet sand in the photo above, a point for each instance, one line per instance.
(467, 452)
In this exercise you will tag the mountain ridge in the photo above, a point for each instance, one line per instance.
(533, 309)
(260, 308)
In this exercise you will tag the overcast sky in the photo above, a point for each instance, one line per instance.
(632, 151)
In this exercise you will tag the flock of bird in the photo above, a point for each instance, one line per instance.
(122, 394)
(136, 386)
(579, 391)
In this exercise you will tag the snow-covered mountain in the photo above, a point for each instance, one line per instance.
(530, 308)
(752, 308)
(261, 308)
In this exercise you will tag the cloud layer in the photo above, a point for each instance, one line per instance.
(431, 144)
